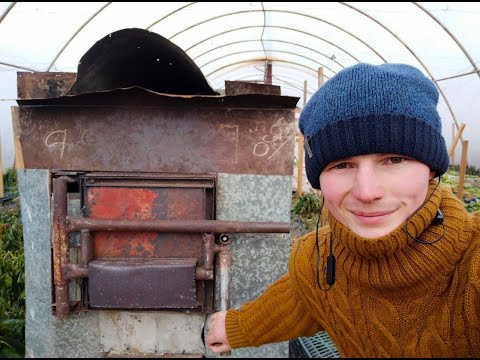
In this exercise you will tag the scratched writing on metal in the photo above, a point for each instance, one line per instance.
(83, 137)
(61, 143)
(223, 126)
(275, 140)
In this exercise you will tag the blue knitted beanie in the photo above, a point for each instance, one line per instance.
(365, 109)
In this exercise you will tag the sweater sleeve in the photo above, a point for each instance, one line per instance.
(276, 315)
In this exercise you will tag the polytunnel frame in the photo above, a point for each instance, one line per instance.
(443, 27)
(426, 68)
(271, 51)
(269, 40)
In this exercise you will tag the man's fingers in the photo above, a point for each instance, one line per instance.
(217, 337)
(219, 347)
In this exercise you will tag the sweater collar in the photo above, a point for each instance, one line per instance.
(396, 260)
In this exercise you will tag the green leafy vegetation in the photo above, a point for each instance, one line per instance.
(469, 170)
(305, 210)
(12, 274)
(306, 204)
(471, 186)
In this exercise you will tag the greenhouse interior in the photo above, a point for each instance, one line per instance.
(200, 96)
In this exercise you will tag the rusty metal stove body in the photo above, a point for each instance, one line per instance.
(157, 210)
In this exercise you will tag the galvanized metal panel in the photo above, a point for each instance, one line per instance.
(253, 197)
(35, 205)
(256, 259)
(142, 283)
(45, 337)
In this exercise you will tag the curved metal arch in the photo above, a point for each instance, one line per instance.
(412, 52)
(253, 61)
(287, 12)
(270, 40)
(459, 75)
(166, 16)
(9, 8)
(213, 18)
(274, 27)
(75, 34)
(459, 44)
(273, 51)
(263, 28)
(17, 67)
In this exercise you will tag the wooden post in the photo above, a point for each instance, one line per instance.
(452, 160)
(320, 77)
(300, 149)
(463, 167)
(16, 139)
(455, 141)
(2, 192)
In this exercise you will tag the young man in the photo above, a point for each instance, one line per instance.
(396, 273)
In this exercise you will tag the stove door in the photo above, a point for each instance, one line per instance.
(148, 270)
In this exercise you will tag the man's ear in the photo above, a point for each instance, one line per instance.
(432, 174)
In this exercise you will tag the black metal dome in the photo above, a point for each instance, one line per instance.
(138, 57)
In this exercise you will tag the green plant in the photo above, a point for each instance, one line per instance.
(471, 187)
(472, 170)
(306, 205)
(469, 170)
(11, 231)
(12, 305)
(10, 182)
(12, 276)
(306, 209)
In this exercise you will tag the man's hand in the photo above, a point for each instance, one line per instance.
(217, 336)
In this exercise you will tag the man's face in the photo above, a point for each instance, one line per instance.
(373, 194)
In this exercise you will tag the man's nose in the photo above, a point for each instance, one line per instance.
(367, 185)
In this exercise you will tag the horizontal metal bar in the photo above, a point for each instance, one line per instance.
(176, 226)
(203, 274)
(74, 271)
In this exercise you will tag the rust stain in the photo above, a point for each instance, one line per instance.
(121, 203)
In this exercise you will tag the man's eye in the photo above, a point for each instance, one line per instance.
(341, 166)
(397, 159)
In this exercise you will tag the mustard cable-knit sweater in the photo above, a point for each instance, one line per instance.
(392, 296)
